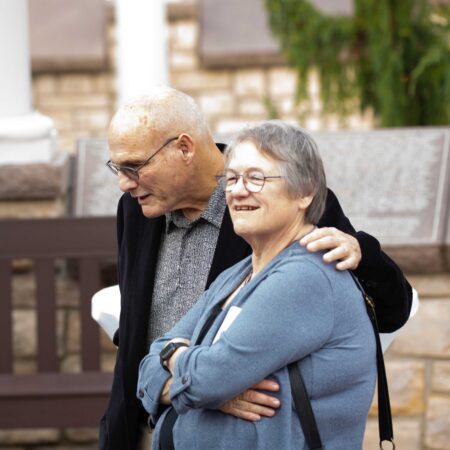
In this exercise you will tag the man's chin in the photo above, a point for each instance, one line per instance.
(152, 211)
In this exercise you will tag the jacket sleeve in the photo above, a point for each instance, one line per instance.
(119, 231)
(380, 276)
(152, 377)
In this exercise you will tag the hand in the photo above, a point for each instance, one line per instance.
(343, 247)
(164, 397)
(252, 404)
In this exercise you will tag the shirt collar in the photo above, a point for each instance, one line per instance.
(213, 213)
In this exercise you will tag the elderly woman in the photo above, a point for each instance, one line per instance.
(280, 305)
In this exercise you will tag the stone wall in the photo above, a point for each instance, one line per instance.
(418, 369)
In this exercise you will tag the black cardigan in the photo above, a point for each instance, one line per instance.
(139, 239)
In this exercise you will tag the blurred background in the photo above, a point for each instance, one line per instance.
(369, 78)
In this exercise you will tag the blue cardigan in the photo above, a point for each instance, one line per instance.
(296, 309)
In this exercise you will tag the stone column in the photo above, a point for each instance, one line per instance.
(29, 165)
(141, 46)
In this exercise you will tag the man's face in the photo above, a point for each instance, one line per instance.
(160, 187)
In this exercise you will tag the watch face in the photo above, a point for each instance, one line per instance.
(168, 351)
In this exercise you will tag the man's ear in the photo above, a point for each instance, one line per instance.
(187, 147)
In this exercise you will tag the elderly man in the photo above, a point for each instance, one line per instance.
(175, 236)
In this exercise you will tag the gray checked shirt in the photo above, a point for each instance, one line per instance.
(184, 260)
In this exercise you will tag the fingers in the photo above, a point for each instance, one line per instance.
(344, 248)
(267, 385)
(251, 406)
(233, 409)
(259, 399)
(317, 234)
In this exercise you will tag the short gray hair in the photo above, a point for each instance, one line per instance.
(298, 157)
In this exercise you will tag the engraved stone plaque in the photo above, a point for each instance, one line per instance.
(391, 183)
(395, 185)
(237, 33)
(96, 188)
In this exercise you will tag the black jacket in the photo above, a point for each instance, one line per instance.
(139, 239)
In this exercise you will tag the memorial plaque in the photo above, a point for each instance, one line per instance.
(447, 238)
(96, 188)
(395, 185)
(237, 33)
(67, 35)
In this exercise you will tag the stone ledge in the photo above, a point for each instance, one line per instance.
(29, 436)
(437, 432)
(34, 181)
(188, 10)
(426, 334)
(431, 286)
(423, 259)
(406, 434)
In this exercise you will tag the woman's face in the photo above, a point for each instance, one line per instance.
(270, 214)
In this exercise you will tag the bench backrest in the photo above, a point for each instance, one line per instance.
(49, 397)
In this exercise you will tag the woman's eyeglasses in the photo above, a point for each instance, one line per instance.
(253, 180)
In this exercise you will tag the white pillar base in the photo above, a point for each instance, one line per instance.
(27, 139)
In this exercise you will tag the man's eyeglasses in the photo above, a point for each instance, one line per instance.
(253, 180)
(133, 172)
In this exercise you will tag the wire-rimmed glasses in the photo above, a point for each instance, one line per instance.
(253, 179)
(133, 172)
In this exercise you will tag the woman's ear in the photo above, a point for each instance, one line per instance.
(187, 147)
(304, 202)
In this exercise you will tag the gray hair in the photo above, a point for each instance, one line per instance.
(298, 158)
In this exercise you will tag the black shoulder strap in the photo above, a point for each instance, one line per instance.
(303, 404)
(385, 428)
(303, 407)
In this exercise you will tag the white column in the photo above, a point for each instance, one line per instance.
(25, 136)
(141, 33)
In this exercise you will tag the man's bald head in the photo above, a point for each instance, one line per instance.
(163, 136)
(162, 112)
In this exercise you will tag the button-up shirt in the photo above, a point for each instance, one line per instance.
(184, 260)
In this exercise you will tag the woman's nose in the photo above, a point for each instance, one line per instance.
(239, 188)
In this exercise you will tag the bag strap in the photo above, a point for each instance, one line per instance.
(207, 325)
(303, 404)
(303, 407)
(385, 428)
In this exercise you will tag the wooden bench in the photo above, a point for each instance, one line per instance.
(50, 398)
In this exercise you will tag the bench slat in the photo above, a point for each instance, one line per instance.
(5, 317)
(53, 400)
(89, 285)
(46, 315)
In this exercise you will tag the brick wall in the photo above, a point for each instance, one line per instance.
(80, 103)
(230, 98)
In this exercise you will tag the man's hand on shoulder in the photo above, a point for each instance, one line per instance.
(342, 247)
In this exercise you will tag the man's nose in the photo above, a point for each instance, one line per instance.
(127, 184)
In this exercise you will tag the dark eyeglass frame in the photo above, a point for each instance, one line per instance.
(248, 184)
(133, 172)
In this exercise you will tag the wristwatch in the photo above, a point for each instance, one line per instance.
(167, 352)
